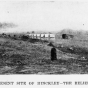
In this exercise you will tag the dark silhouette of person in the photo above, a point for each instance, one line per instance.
(53, 54)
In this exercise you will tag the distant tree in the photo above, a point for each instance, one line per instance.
(28, 32)
(33, 32)
(50, 33)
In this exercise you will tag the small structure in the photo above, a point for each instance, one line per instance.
(64, 36)
(67, 36)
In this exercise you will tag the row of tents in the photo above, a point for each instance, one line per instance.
(42, 36)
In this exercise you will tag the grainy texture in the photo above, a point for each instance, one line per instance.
(25, 57)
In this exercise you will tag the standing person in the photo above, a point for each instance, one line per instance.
(53, 54)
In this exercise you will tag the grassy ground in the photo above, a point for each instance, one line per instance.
(24, 57)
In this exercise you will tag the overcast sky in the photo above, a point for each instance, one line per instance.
(44, 15)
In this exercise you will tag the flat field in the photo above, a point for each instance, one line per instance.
(25, 57)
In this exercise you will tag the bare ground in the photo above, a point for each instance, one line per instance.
(23, 57)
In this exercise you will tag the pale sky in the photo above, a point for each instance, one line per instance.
(44, 15)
